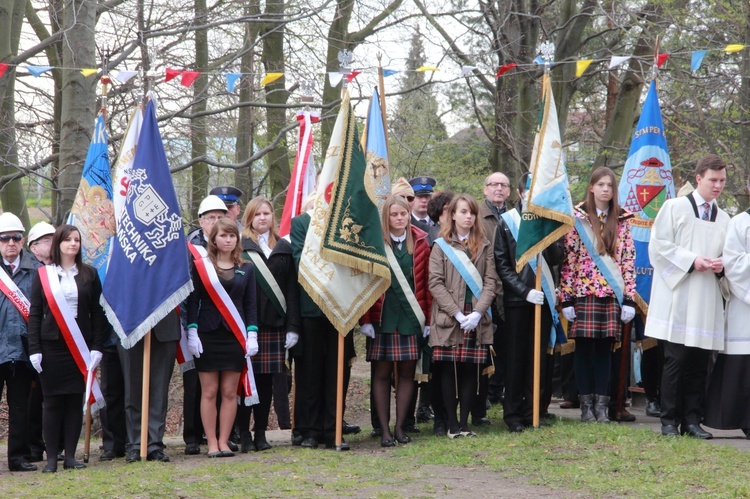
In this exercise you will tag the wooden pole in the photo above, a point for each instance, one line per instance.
(294, 391)
(87, 434)
(340, 395)
(145, 393)
(624, 364)
(537, 345)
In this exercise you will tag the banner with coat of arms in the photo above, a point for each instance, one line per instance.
(645, 185)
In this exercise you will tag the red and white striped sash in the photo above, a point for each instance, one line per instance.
(69, 329)
(231, 315)
(14, 294)
(185, 360)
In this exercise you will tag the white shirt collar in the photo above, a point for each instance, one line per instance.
(463, 238)
(699, 199)
(599, 212)
(62, 273)
(16, 263)
(399, 239)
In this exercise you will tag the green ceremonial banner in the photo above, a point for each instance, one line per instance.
(343, 266)
(548, 208)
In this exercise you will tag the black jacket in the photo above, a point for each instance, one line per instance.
(202, 311)
(517, 285)
(91, 319)
(282, 266)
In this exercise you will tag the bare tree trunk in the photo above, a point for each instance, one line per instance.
(744, 152)
(243, 178)
(199, 171)
(78, 98)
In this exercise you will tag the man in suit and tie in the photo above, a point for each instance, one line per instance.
(687, 305)
(424, 188)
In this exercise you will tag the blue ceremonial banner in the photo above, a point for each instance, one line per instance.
(645, 185)
(148, 273)
(93, 211)
(376, 150)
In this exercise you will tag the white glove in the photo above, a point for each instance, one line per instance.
(536, 297)
(291, 340)
(426, 332)
(367, 330)
(251, 343)
(628, 313)
(195, 347)
(472, 321)
(36, 361)
(569, 313)
(96, 358)
(461, 318)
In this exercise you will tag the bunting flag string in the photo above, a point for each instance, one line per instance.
(187, 77)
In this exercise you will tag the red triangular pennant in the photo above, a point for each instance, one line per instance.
(504, 69)
(661, 59)
(352, 75)
(172, 74)
(188, 77)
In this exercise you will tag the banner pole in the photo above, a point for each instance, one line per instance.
(145, 393)
(340, 394)
(537, 345)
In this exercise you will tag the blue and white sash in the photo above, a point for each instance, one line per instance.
(604, 263)
(468, 271)
(512, 219)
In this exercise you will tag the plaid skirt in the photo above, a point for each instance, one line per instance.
(393, 347)
(271, 352)
(597, 318)
(468, 351)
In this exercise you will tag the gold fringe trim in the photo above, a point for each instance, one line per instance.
(641, 304)
(422, 377)
(488, 371)
(568, 348)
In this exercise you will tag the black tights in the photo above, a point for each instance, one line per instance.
(463, 375)
(62, 414)
(381, 390)
(264, 383)
(592, 362)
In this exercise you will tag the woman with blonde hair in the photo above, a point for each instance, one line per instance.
(278, 312)
(222, 329)
(463, 282)
(398, 317)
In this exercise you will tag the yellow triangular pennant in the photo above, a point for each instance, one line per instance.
(736, 47)
(581, 66)
(422, 69)
(270, 78)
(86, 72)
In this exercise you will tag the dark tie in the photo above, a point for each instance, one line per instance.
(11, 267)
(706, 211)
(602, 219)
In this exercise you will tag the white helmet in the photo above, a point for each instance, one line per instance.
(40, 230)
(10, 223)
(210, 203)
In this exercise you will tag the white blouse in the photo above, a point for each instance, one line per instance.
(68, 287)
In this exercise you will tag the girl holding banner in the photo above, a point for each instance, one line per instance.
(395, 320)
(463, 282)
(278, 312)
(67, 328)
(597, 284)
(222, 330)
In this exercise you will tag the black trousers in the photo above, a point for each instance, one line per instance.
(316, 387)
(16, 378)
(652, 367)
(518, 352)
(260, 411)
(281, 387)
(192, 428)
(683, 384)
(114, 433)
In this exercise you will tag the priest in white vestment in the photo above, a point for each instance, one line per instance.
(687, 308)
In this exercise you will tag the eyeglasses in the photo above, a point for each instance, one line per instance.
(7, 237)
(212, 218)
(501, 184)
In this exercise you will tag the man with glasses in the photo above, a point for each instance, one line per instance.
(19, 267)
(496, 192)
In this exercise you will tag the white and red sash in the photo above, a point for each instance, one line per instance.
(231, 315)
(69, 329)
(14, 294)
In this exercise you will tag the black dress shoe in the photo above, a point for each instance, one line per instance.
(623, 416)
(481, 421)
(22, 466)
(246, 443)
(50, 469)
(516, 428)
(350, 429)
(261, 443)
(297, 440)
(424, 414)
(376, 432)
(309, 443)
(107, 455)
(227, 453)
(232, 446)
(439, 430)
(388, 443)
(134, 455)
(157, 455)
(35, 457)
(669, 430)
(653, 409)
(695, 430)
(403, 439)
(411, 428)
(75, 466)
(192, 449)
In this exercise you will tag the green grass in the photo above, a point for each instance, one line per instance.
(592, 460)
